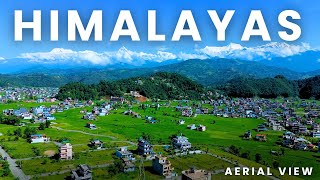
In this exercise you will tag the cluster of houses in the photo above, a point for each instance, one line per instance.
(44, 113)
(291, 140)
(96, 111)
(38, 114)
(299, 127)
(26, 93)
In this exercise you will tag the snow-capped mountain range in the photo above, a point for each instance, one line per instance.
(300, 58)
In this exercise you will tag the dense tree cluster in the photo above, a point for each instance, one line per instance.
(174, 86)
(159, 86)
(78, 91)
(266, 88)
(9, 120)
(309, 88)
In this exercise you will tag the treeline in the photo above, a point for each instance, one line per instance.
(309, 88)
(265, 88)
(165, 85)
(272, 87)
(160, 85)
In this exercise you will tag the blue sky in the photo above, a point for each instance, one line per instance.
(168, 12)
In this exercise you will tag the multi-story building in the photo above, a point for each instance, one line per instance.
(144, 147)
(162, 166)
(181, 143)
(65, 152)
(123, 153)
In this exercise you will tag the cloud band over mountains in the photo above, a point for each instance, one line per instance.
(123, 55)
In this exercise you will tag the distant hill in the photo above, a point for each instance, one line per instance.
(303, 63)
(265, 88)
(159, 86)
(209, 72)
(218, 71)
(273, 87)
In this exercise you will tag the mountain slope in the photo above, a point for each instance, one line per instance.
(158, 86)
(304, 62)
(219, 71)
(209, 72)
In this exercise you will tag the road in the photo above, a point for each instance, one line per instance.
(15, 170)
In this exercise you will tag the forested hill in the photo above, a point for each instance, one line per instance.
(206, 72)
(159, 85)
(273, 87)
(267, 87)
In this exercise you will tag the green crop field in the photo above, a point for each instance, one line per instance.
(118, 130)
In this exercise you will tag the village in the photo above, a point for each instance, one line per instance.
(45, 94)
(150, 138)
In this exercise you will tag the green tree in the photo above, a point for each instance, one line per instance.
(48, 123)
(42, 126)
(18, 132)
(258, 157)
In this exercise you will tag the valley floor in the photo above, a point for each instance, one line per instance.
(118, 130)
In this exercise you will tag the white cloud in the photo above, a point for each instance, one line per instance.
(259, 52)
(123, 55)
(2, 59)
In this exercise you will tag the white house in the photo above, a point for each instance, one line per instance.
(39, 138)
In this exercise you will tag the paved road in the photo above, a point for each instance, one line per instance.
(15, 170)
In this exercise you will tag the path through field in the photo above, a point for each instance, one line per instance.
(15, 170)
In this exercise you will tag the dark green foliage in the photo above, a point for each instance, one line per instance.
(275, 164)
(29, 131)
(157, 86)
(116, 167)
(36, 151)
(4, 171)
(265, 88)
(146, 136)
(246, 155)
(309, 88)
(48, 123)
(78, 91)
(42, 126)
(258, 157)
(18, 132)
(234, 150)
(9, 120)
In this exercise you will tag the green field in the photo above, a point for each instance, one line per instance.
(116, 129)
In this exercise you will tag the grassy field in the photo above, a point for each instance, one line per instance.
(46, 165)
(117, 128)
